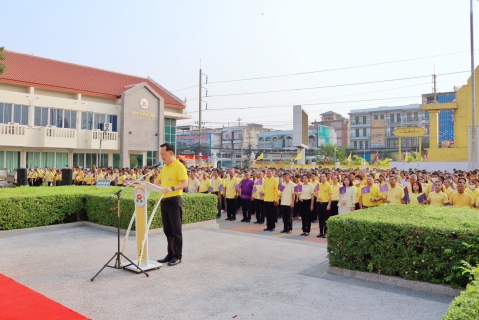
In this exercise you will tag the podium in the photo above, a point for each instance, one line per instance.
(142, 226)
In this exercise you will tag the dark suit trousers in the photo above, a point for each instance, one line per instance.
(172, 218)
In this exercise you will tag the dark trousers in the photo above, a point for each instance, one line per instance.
(356, 206)
(231, 208)
(218, 214)
(314, 214)
(296, 209)
(334, 208)
(306, 214)
(246, 206)
(270, 213)
(58, 183)
(258, 208)
(287, 215)
(223, 202)
(172, 218)
(323, 215)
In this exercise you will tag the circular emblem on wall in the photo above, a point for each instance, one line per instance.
(144, 103)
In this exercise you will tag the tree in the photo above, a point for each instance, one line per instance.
(328, 151)
(2, 57)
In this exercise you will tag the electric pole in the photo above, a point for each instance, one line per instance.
(200, 123)
(434, 88)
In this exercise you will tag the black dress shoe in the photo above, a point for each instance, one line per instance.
(283, 231)
(289, 232)
(257, 222)
(243, 220)
(248, 221)
(271, 230)
(228, 219)
(174, 261)
(233, 219)
(324, 236)
(165, 259)
(267, 229)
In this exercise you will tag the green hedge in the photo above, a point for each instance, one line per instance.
(414, 242)
(466, 306)
(27, 207)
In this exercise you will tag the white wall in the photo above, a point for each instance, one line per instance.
(429, 166)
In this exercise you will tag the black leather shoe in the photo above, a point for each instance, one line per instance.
(244, 220)
(283, 231)
(257, 222)
(228, 219)
(271, 230)
(267, 229)
(233, 219)
(165, 259)
(174, 261)
(324, 236)
(289, 232)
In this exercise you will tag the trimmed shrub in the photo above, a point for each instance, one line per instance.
(27, 207)
(414, 242)
(466, 306)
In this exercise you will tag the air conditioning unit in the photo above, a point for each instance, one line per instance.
(49, 126)
(11, 123)
(107, 127)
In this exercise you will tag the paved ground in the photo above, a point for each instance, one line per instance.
(223, 274)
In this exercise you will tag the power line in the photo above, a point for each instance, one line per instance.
(337, 69)
(329, 86)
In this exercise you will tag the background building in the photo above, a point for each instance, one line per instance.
(55, 113)
(372, 129)
(338, 123)
(445, 117)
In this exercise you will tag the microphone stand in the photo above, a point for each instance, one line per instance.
(118, 254)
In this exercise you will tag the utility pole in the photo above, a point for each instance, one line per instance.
(434, 88)
(200, 122)
(472, 156)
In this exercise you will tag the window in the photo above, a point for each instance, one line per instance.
(103, 160)
(48, 159)
(409, 116)
(375, 117)
(357, 132)
(41, 117)
(365, 132)
(33, 160)
(90, 160)
(116, 160)
(366, 144)
(393, 143)
(170, 131)
(391, 118)
(90, 121)
(382, 117)
(13, 113)
(136, 160)
(150, 158)
(356, 119)
(355, 144)
(360, 144)
(78, 160)
(398, 117)
(2, 157)
(61, 160)
(416, 118)
(12, 160)
(63, 118)
(364, 119)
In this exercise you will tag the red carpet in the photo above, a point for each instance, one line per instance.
(20, 302)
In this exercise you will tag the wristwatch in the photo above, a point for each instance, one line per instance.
(173, 188)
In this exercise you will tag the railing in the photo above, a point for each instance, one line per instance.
(60, 133)
(12, 129)
(105, 136)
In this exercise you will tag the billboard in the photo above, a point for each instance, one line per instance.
(300, 127)
(324, 135)
(188, 143)
(378, 134)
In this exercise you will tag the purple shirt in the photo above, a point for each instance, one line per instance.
(247, 189)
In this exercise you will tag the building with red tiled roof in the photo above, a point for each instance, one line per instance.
(55, 113)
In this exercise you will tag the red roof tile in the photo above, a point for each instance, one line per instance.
(64, 76)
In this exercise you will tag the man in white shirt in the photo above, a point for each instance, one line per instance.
(287, 203)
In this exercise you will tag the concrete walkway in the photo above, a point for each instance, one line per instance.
(224, 274)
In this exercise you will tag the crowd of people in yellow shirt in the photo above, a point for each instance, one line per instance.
(315, 195)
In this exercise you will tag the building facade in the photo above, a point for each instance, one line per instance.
(372, 129)
(338, 123)
(54, 114)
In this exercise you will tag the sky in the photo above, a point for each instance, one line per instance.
(311, 53)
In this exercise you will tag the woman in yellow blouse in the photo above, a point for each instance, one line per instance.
(416, 192)
(205, 183)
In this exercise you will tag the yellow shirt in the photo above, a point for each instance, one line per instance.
(171, 175)
(437, 198)
(395, 195)
(89, 179)
(205, 185)
(30, 175)
(59, 176)
(373, 193)
(231, 183)
(358, 193)
(121, 178)
(413, 198)
(49, 176)
(270, 189)
(40, 174)
(461, 200)
(215, 183)
(259, 190)
(335, 194)
(325, 190)
(430, 188)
